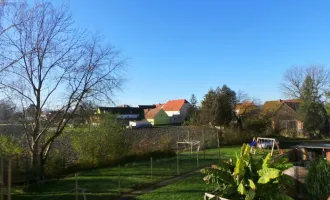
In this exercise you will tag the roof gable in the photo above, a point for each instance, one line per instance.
(152, 113)
(273, 106)
(174, 105)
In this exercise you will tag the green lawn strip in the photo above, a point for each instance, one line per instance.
(188, 189)
(194, 187)
(104, 182)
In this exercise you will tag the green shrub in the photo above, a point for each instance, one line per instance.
(248, 178)
(318, 180)
(98, 145)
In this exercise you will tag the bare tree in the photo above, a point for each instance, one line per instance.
(293, 80)
(10, 10)
(65, 68)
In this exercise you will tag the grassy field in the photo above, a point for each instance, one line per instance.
(108, 183)
(192, 188)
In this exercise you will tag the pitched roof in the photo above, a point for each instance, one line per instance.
(245, 106)
(174, 105)
(272, 106)
(121, 110)
(151, 113)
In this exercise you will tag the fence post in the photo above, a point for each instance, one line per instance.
(119, 178)
(1, 179)
(177, 159)
(218, 143)
(9, 179)
(197, 159)
(151, 167)
(76, 185)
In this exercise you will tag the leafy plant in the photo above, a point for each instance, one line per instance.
(9, 145)
(318, 179)
(247, 178)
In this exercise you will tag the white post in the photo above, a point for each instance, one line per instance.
(191, 147)
(272, 148)
(9, 179)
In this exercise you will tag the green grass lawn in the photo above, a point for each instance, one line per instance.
(104, 183)
(192, 188)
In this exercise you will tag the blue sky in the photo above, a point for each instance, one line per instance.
(180, 47)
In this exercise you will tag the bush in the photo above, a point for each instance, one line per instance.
(98, 145)
(318, 180)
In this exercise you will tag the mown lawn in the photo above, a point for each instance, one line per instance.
(192, 188)
(108, 183)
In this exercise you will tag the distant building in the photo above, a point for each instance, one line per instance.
(283, 114)
(177, 110)
(157, 116)
(125, 113)
(245, 108)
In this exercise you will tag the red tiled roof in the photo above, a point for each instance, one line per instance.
(151, 113)
(174, 105)
(245, 106)
(272, 106)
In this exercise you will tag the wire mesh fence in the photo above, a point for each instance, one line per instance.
(111, 182)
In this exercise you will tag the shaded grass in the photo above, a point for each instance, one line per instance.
(192, 188)
(108, 183)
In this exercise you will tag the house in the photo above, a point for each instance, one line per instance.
(125, 113)
(283, 114)
(177, 110)
(245, 108)
(157, 116)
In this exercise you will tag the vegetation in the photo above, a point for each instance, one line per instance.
(318, 180)
(310, 85)
(247, 179)
(52, 63)
(104, 182)
(100, 144)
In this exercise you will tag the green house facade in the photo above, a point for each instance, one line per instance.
(157, 116)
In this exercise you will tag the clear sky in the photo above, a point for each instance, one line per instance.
(180, 47)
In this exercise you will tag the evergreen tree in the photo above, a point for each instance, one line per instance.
(311, 110)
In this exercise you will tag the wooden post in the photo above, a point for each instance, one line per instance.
(119, 178)
(1, 179)
(9, 179)
(197, 159)
(218, 142)
(151, 167)
(177, 159)
(76, 185)
(203, 138)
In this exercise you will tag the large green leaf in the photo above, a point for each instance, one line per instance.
(281, 197)
(252, 185)
(239, 168)
(250, 195)
(268, 170)
(243, 149)
(266, 160)
(241, 189)
(267, 174)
